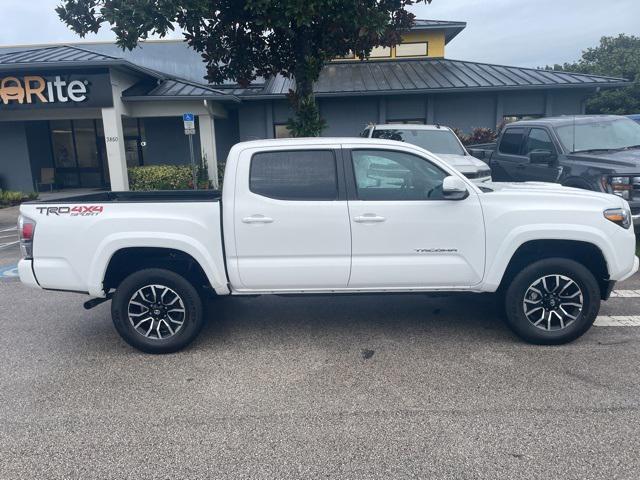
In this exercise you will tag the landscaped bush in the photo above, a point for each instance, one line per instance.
(10, 198)
(165, 177)
(478, 135)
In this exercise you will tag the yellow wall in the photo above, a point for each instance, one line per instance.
(434, 39)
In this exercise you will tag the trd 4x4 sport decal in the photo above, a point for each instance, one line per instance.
(76, 211)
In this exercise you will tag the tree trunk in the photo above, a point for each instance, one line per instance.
(307, 121)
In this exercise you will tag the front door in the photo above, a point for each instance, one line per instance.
(291, 220)
(404, 234)
(77, 157)
(538, 139)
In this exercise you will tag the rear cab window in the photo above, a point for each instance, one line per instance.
(511, 141)
(295, 175)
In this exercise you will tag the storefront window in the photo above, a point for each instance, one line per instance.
(131, 128)
(78, 159)
(62, 143)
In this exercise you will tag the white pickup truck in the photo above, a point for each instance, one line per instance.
(332, 216)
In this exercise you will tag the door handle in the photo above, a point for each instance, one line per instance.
(369, 218)
(257, 219)
(521, 166)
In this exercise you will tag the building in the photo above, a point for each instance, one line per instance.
(79, 115)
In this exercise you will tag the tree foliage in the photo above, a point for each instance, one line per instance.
(241, 40)
(616, 57)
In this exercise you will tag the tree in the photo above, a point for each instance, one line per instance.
(617, 57)
(241, 40)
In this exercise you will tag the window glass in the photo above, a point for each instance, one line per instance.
(130, 127)
(86, 143)
(295, 175)
(538, 139)
(387, 175)
(600, 134)
(511, 141)
(380, 52)
(280, 130)
(437, 141)
(62, 142)
(412, 49)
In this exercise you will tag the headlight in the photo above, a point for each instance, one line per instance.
(620, 186)
(619, 216)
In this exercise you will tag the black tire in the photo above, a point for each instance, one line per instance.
(515, 297)
(192, 317)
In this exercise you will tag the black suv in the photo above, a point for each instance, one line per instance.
(594, 152)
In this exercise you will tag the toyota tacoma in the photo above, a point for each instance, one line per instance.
(332, 216)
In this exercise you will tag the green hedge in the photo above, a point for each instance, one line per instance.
(165, 177)
(9, 198)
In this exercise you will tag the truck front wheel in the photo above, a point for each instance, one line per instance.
(157, 311)
(552, 301)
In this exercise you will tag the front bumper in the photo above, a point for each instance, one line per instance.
(25, 270)
(634, 269)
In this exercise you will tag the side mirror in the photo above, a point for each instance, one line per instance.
(478, 153)
(454, 188)
(541, 157)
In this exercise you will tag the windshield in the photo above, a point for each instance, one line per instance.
(605, 134)
(436, 141)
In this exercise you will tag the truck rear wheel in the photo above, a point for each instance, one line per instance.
(157, 311)
(552, 301)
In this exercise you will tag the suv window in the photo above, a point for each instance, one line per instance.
(538, 139)
(511, 141)
(295, 175)
(388, 175)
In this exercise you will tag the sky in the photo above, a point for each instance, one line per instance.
(528, 33)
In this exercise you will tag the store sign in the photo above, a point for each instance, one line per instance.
(55, 90)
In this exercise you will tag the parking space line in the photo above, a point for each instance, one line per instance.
(618, 321)
(4, 245)
(10, 229)
(625, 294)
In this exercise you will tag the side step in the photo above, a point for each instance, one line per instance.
(94, 302)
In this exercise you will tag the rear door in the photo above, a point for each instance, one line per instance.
(404, 234)
(291, 220)
(508, 163)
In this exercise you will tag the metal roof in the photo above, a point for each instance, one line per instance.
(162, 85)
(373, 77)
(53, 54)
(431, 76)
(176, 89)
(451, 29)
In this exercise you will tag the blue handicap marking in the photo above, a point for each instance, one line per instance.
(9, 272)
(188, 117)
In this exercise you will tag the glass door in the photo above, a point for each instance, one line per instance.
(77, 155)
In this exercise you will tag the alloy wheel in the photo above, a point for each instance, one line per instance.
(156, 312)
(553, 302)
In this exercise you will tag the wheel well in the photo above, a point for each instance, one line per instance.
(584, 253)
(129, 260)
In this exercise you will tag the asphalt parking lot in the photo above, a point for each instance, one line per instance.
(323, 387)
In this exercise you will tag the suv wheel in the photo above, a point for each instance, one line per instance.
(552, 301)
(157, 311)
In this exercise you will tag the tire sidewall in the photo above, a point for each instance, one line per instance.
(520, 324)
(192, 302)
